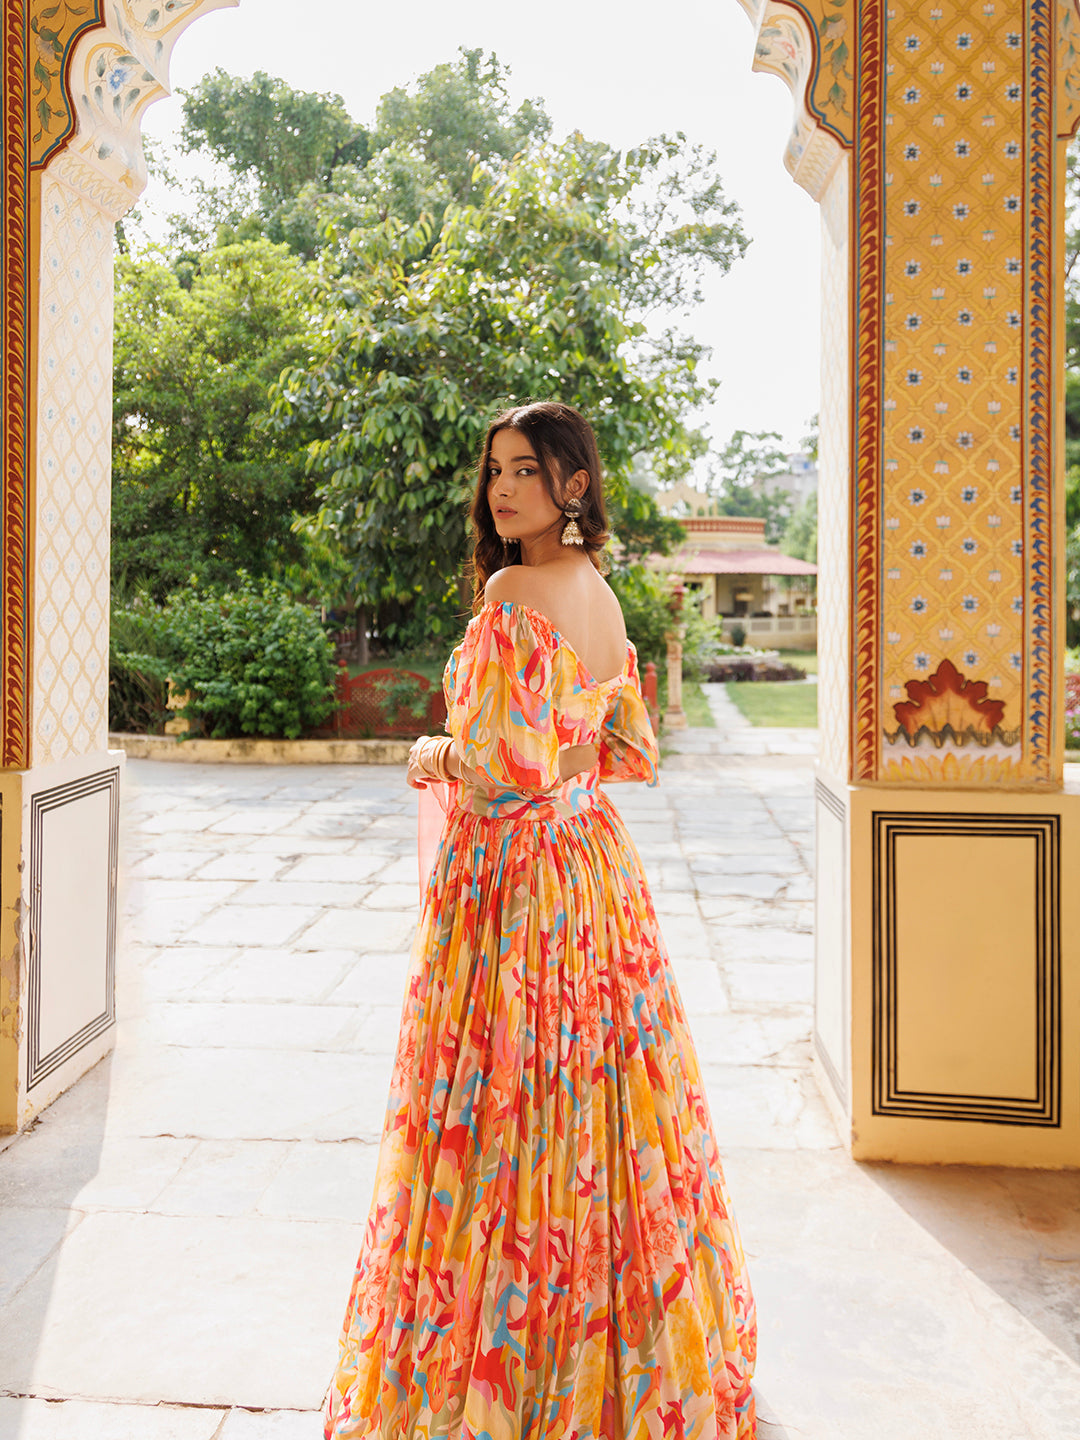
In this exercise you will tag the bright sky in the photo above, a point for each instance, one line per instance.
(617, 76)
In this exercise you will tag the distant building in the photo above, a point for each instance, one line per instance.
(744, 581)
(684, 499)
(799, 480)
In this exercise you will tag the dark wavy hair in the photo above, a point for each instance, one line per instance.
(564, 444)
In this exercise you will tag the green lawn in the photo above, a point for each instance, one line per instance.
(775, 702)
(695, 706)
(805, 659)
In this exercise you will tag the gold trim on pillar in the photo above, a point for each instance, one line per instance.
(954, 242)
(867, 252)
(54, 29)
(14, 667)
(38, 120)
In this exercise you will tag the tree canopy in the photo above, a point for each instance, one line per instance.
(427, 267)
(736, 470)
(200, 484)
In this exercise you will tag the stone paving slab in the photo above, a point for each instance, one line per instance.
(82, 1420)
(182, 1226)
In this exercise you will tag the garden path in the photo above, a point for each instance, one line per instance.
(178, 1233)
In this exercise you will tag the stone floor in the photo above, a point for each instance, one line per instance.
(178, 1233)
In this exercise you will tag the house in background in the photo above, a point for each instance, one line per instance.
(742, 579)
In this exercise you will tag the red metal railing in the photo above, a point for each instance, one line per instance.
(384, 704)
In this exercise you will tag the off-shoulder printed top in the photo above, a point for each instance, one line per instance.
(516, 694)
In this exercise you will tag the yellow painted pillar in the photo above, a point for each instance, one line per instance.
(77, 77)
(947, 1019)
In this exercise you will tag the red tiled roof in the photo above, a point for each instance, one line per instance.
(739, 562)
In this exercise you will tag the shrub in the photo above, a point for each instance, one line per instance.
(405, 699)
(746, 667)
(138, 691)
(701, 639)
(1072, 711)
(645, 598)
(252, 660)
(738, 635)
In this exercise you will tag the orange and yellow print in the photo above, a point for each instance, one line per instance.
(958, 391)
(952, 534)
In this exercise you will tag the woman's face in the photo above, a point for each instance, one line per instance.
(517, 494)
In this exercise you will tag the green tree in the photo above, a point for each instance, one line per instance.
(273, 139)
(296, 160)
(200, 484)
(800, 532)
(639, 526)
(458, 117)
(1072, 585)
(1072, 395)
(747, 458)
(537, 290)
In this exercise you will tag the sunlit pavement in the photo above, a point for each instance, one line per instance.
(178, 1233)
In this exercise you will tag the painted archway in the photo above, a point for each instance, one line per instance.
(948, 943)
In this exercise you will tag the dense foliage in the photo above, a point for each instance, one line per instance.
(251, 660)
(1072, 397)
(800, 532)
(304, 378)
(201, 486)
(736, 472)
(138, 688)
(515, 297)
(645, 597)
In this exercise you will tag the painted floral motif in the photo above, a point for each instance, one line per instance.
(1068, 67)
(52, 30)
(835, 58)
(948, 706)
(117, 81)
(148, 18)
(781, 45)
(551, 1249)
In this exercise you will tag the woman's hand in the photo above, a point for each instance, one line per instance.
(416, 775)
(433, 759)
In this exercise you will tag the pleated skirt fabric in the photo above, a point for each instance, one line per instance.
(551, 1252)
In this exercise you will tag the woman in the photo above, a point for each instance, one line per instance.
(550, 1250)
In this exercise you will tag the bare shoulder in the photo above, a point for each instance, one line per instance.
(577, 602)
(515, 585)
(548, 588)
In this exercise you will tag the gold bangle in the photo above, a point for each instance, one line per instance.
(443, 762)
(434, 758)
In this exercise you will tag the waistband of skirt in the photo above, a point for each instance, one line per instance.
(569, 800)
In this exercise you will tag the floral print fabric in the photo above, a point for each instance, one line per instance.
(550, 1253)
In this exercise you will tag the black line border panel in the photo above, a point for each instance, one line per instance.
(888, 1098)
(39, 1066)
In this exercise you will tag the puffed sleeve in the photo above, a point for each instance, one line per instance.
(499, 699)
(627, 743)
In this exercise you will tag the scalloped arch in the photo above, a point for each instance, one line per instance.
(114, 72)
(808, 47)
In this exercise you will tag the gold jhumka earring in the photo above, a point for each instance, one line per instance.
(571, 532)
